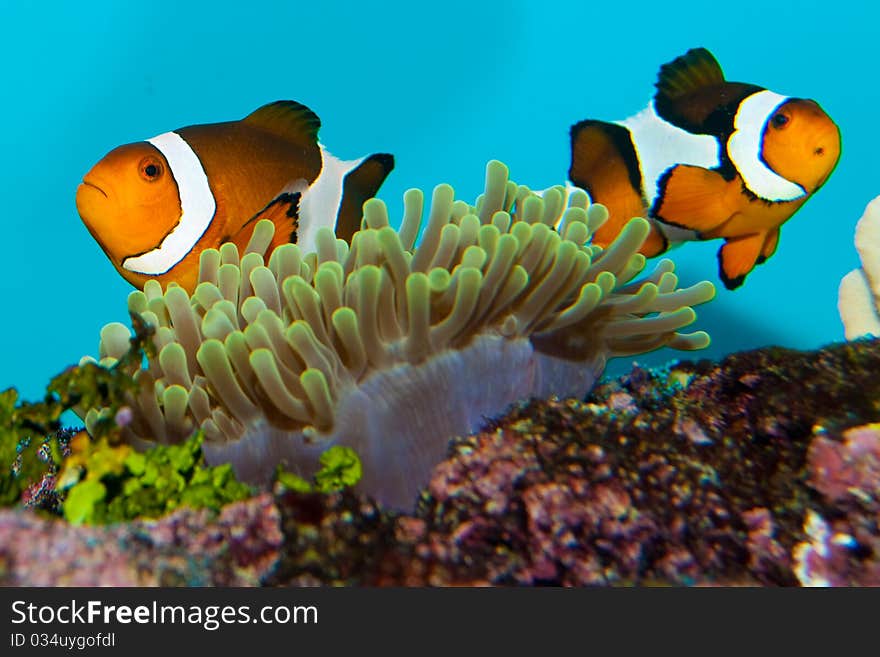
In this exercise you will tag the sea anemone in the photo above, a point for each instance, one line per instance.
(391, 348)
(859, 293)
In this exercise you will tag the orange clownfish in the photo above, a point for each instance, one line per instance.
(155, 205)
(707, 159)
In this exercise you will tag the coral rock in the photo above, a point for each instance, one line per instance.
(186, 548)
(563, 492)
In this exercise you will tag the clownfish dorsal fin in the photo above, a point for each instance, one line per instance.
(694, 70)
(288, 119)
(690, 89)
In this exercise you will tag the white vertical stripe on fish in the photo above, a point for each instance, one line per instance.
(746, 143)
(197, 207)
(661, 145)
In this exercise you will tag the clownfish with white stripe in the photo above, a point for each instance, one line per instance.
(707, 159)
(155, 205)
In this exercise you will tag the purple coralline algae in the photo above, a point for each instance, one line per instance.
(186, 548)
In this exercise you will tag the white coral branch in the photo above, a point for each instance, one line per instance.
(859, 293)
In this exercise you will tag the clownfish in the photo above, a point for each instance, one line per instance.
(155, 205)
(707, 159)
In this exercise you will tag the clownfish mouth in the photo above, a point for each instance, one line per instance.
(85, 183)
(94, 206)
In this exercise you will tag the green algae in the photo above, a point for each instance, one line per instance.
(340, 468)
(32, 440)
(100, 479)
(113, 483)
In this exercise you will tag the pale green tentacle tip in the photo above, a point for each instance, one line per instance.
(375, 213)
(325, 235)
(497, 174)
(369, 276)
(578, 198)
(210, 350)
(262, 236)
(691, 341)
(250, 261)
(637, 226)
(329, 275)
(606, 282)
(344, 319)
(137, 302)
(115, 340)
(251, 307)
(216, 324)
(152, 289)
(175, 294)
(209, 258)
(317, 390)
(664, 265)
(597, 214)
(174, 400)
(532, 209)
(460, 209)
(444, 194)
(229, 253)
(439, 279)
(172, 355)
(417, 283)
(413, 196)
(553, 195)
(207, 294)
(703, 291)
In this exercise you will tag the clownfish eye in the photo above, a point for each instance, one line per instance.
(819, 151)
(779, 120)
(150, 169)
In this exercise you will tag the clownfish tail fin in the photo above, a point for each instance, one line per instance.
(359, 185)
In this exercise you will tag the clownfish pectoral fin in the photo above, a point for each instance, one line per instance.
(769, 248)
(693, 198)
(359, 185)
(283, 211)
(287, 119)
(737, 257)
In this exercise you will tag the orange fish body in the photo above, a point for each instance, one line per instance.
(707, 159)
(155, 205)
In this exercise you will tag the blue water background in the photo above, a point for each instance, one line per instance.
(444, 86)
